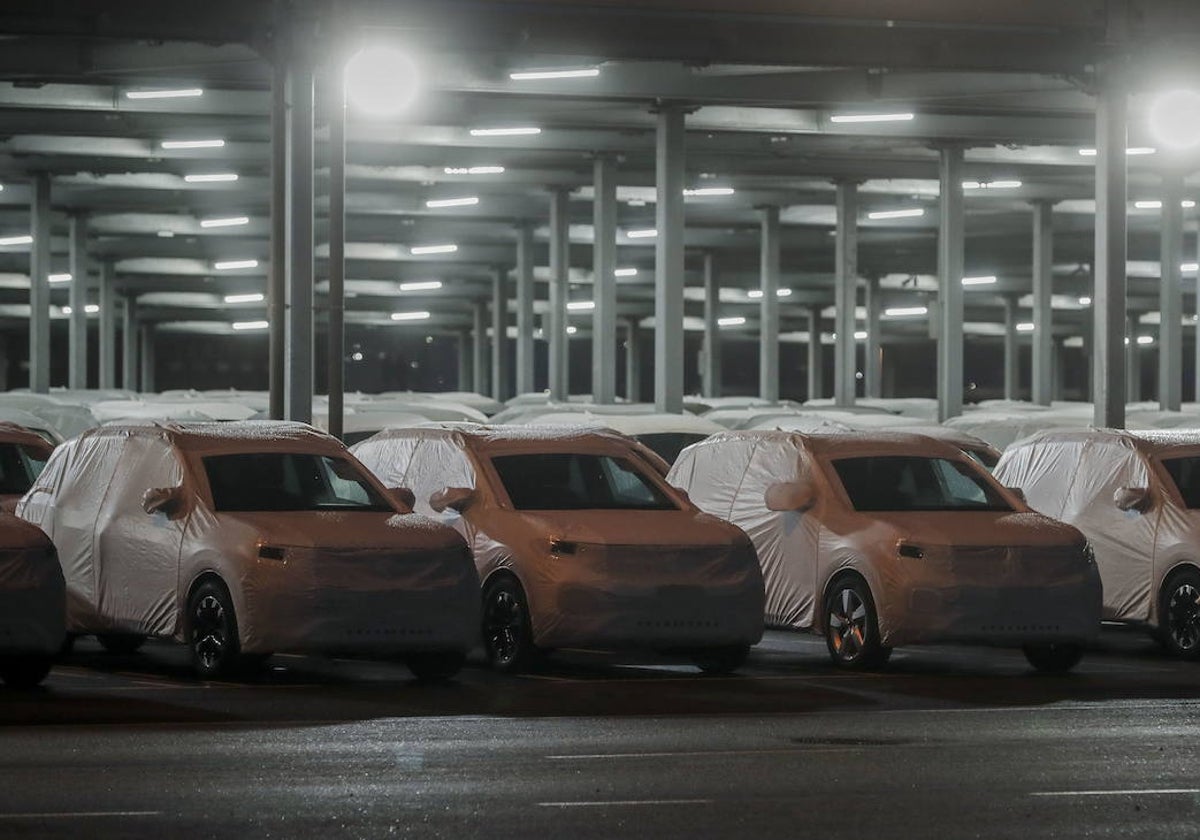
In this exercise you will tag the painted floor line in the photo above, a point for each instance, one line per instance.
(1158, 792)
(623, 803)
(70, 815)
(798, 750)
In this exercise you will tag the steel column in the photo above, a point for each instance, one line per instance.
(129, 342)
(277, 270)
(845, 358)
(1108, 297)
(525, 293)
(298, 358)
(1012, 365)
(500, 334)
(604, 281)
(77, 331)
(816, 370)
(336, 337)
(711, 379)
(1170, 327)
(464, 361)
(479, 364)
(768, 307)
(633, 367)
(951, 235)
(873, 367)
(39, 286)
(108, 328)
(148, 358)
(668, 261)
(1133, 367)
(560, 265)
(1043, 313)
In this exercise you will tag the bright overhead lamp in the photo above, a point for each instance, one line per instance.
(192, 144)
(468, 201)
(59, 278)
(1187, 204)
(646, 233)
(1085, 301)
(709, 191)
(1190, 267)
(909, 213)
(1145, 339)
(211, 178)
(23, 239)
(1132, 151)
(625, 272)
(512, 131)
(231, 265)
(421, 286)
(421, 250)
(229, 221)
(1148, 205)
(381, 81)
(905, 311)
(165, 234)
(987, 280)
(581, 305)
(566, 73)
(250, 325)
(474, 170)
(860, 335)
(410, 316)
(872, 118)
(991, 185)
(757, 294)
(176, 93)
(1174, 119)
(252, 297)
(1025, 326)
(732, 321)
(88, 309)
(572, 330)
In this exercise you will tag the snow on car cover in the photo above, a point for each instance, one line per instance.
(359, 581)
(31, 590)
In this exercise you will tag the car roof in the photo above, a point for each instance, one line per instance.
(486, 439)
(845, 445)
(1150, 443)
(229, 438)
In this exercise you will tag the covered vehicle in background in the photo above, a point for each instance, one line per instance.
(579, 542)
(32, 603)
(883, 540)
(23, 455)
(244, 539)
(1137, 498)
(664, 434)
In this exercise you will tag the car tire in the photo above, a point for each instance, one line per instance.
(507, 633)
(68, 644)
(721, 660)
(1053, 658)
(851, 626)
(212, 632)
(1179, 614)
(24, 672)
(435, 666)
(121, 644)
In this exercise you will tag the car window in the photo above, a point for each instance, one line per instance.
(277, 481)
(17, 471)
(914, 483)
(1185, 472)
(570, 481)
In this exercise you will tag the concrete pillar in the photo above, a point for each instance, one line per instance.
(1108, 297)
(951, 236)
(768, 346)
(500, 384)
(336, 331)
(873, 368)
(633, 366)
(816, 370)
(1170, 328)
(464, 361)
(525, 326)
(1133, 368)
(77, 331)
(277, 270)
(1059, 354)
(39, 286)
(845, 359)
(129, 342)
(298, 356)
(604, 281)
(711, 378)
(479, 365)
(108, 327)
(1012, 365)
(668, 262)
(148, 359)
(560, 263)
(1043, 313)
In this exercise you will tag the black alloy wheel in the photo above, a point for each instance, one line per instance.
(1179, 615)
(852, 626)
(507, 635)
(212, 631)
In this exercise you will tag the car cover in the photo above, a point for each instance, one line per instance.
(31, 590)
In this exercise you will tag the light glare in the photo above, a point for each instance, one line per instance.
(910, 213)
(230, 265)
(421, 286)
(211, 178)
(905, 311)
(573, 73)
(1174, 119)
(381, 81)
(252, 297)
(468, 201)
(231, 221)
(871, 118)
(410, 316)
(250, 325)
(192, 144)
(178, 93)
(419, 250)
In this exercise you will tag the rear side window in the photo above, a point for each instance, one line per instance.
(1185, 472)
(19, 467)
(913, 483)
(568, 481)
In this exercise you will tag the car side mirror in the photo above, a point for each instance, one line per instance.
(1132, 498)
(790, 496)
(1019, 493)
(166, 500)
(454, 498)
(404, 497)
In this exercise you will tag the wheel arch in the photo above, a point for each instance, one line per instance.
(843, 573)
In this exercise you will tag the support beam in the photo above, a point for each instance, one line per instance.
(336, 334)
(77, 331)
(464, 361)
(604, 281)
(668, 261)
(525, 325)
(951, 235)
(768, 343)
(500, 334)
(108, 328)
(1170, 328)
(479, 365)
(1043, 326)
(873, 366)
(711, 376)
(129, 342)
(560, 266)
(39, 286)
(298, 357)
(816, 369)
(1133, 367)
(148, 358)
(277, 270)
(1012, 365)
(1060, 370)
(1108, 297)
(633, 366)
(845, 359)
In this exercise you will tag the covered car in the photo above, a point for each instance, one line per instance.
(883, 540)
(32, 603)
(245, 539)
(665, 434)
(1137, 498)
(580, 542)
(23, 455)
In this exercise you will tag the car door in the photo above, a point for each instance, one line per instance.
(138, 552)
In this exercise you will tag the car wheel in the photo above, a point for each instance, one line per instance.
(121, 644)
(24, 671)
(435, 666)
(507, 635)
(721, 660)
(68, 645)
(1053, 658)
(1179, 615)
(212, 631)
(852, 626)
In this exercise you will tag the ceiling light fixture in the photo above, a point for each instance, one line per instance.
(474, 170)
(991, 185)
(625, 272)
(568, 73)
(646, 233)
(987, 280)
(732, 321)
(1132, 150)
(231, 221)
(572, 330)
(514, 131)
(177, 93)
(250, 325)
(860, 335)
(872, 118)
(910, 213)
(410, 316)
(906, 311)
(381, 81)
(581, 305)
(421, 286)
(1145, 339)
(1190, 267)
(709, 191)
(23, 239)
(192, 144)
(421, 250)
(211, 178)
(1025, 326)
(231, 265)
(252, 297)
(468, 201)
(59, 278)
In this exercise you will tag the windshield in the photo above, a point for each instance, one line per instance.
(289, 481)
(567, 481)
(906, 482)
(19, 466)
(668, 445)
(1185, 472)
